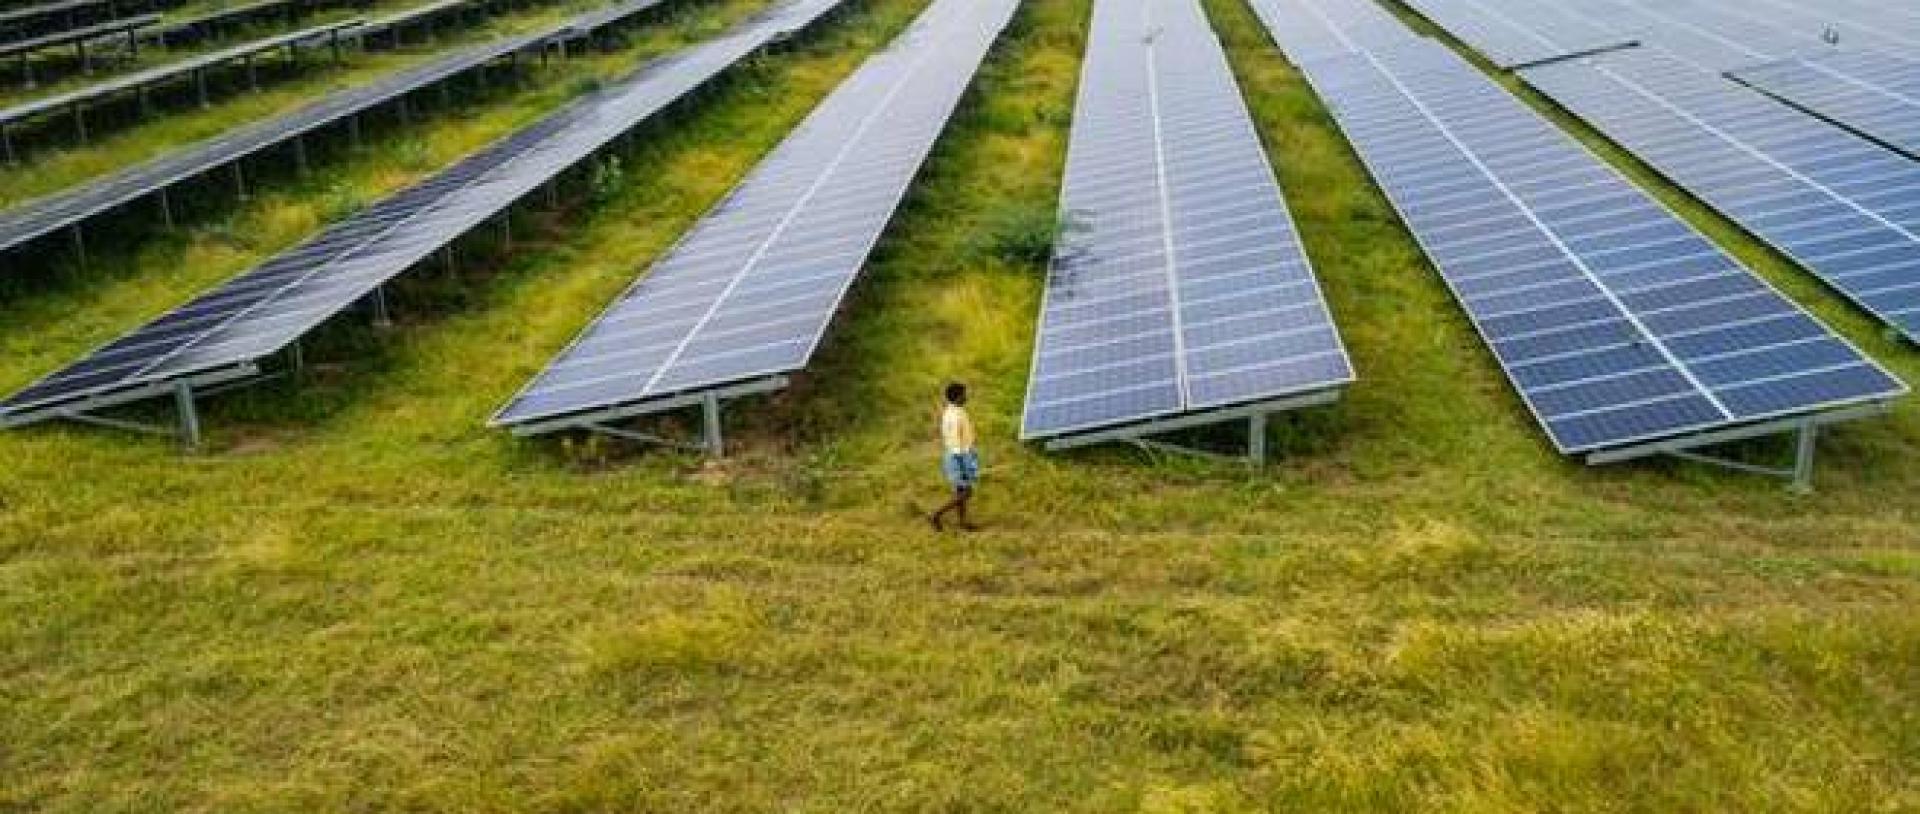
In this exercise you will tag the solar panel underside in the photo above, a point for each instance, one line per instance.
(1615, 320)
(1874, 94)
(751, 289)
(1179, 284)
(263, 311)
(1520, 32)
(1843, 207)
(1320, 28)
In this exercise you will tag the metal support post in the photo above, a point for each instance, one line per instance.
(300, 154)
(1806, 445)
(1257, 439)
(381, 318)
(79, 244)
(166, 208)
(239, 180)
(80, 122)
(711, 438)
(189, 417)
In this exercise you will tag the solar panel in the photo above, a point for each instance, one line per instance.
(1180, 285)
(749, 292)
(264, 310)
(1845, 209)
(1313, 29)
(1874, 94)
(1617, 322)
(1520, 32)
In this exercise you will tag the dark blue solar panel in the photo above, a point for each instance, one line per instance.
(1844, 208)
(1874, 94)
(1616, 321)
(1180, 285)
(263, 311)
(751, 289)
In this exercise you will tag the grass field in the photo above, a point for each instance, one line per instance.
(361, 599)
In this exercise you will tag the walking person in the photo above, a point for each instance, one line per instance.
(959, 460)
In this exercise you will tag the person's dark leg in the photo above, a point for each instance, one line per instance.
(939, 515)
(960, 498)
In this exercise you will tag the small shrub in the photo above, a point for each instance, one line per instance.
(609, 176)
(1021, 236)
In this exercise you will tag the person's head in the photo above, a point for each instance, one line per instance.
(956, 393)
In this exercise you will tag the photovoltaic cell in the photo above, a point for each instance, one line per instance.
(1520, 32)
(1871, 93)
(751, 289)
(263, 311)
(1615, 321)
(1842, 207)
(1179, 285)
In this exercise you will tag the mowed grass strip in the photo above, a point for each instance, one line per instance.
(362, 599)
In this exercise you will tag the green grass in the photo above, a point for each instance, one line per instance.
(361, 599)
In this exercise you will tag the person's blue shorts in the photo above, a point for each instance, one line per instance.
(962, 469)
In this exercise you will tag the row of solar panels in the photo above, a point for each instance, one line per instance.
(1618, 323)
(1800, 121)
(1179, 288)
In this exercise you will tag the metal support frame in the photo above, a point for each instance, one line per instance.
(1805, 427)
(712, 439)
(1254, 414)
(184, 392)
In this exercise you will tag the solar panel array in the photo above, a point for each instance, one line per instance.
(1615, 320)
(751, 289)
(1874, 94)
(110, 28)
(1180, 285)
(170, 71)
(1845, 209)
(41, 217)
(264, 310)
(1521, 32)
(44, 216)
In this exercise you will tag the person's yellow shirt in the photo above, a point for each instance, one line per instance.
(956, 430)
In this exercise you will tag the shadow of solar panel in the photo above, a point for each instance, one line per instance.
(268, 308)
(1617, 323)
(1180, 285)
(1871, 93)
(1845, 209)
(750, 290)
